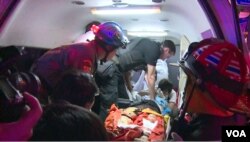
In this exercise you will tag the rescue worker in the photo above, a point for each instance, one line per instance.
(216, 75)
(113, 76)
(108, 37)
(145, 52)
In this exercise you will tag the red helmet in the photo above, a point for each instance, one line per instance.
(221, 69)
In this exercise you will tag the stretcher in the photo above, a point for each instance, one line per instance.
(137, 124)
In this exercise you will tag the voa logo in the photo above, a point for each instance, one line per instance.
(236, 133)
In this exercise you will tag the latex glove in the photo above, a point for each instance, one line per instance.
(21, 130)
(136, 97)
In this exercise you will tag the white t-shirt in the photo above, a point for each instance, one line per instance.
(86, 37)
(162, 70)
(162, 73)
(173, 96)
(140, 84)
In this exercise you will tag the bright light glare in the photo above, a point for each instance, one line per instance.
(147, 33)
(126, 11)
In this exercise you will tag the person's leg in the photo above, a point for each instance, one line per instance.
(96, 106)
(108, 93)
(122, 92)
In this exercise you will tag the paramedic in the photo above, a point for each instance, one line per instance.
(108, 37)
(143, 52)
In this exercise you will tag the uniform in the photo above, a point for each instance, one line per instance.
(52, 64)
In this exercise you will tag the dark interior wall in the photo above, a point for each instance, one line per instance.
(173, 71)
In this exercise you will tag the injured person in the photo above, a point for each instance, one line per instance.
(140, 122)
(166, 97)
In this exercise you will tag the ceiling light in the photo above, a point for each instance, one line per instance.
(147, 33)
(125, 10)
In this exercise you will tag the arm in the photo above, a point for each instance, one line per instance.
(127, 79)
(21, 130)
(171, 105)
(172, 101)
(151, 81)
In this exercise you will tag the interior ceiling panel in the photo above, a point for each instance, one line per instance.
(51, 23)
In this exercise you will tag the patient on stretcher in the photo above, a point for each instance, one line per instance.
(141, 121)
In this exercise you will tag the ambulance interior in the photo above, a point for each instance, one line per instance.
(45, 24)
(39, 25)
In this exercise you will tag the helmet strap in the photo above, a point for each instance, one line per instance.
(105, 48)
(103, 60)
(106, 54)
(185, 105)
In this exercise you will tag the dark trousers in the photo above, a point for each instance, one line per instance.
(111, 88)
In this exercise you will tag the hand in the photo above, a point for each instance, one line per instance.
(21, 130)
